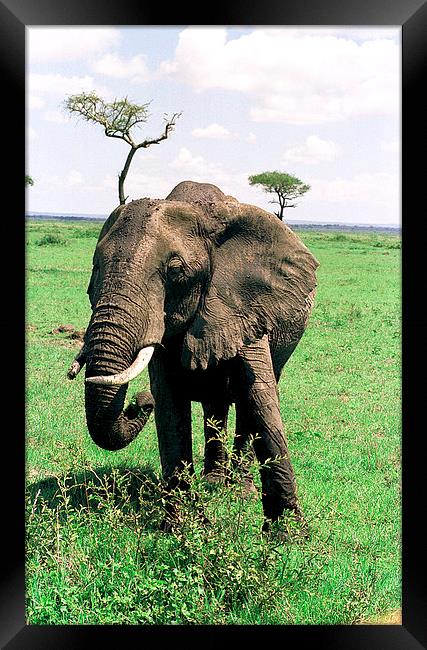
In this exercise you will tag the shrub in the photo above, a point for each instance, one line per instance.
(96, 554)
(51, 240)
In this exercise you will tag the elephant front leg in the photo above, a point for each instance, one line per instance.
(259, 398)
(173, 423)
(243, 456)
(215, 412)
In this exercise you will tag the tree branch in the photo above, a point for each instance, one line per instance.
(118, 118)
(170, 125)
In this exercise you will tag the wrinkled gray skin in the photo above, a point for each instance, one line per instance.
(226, 289)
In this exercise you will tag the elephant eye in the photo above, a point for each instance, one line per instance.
(175, 267)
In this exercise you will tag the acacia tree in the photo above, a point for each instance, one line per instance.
(285, 186)
(28, 180)
(118, 118)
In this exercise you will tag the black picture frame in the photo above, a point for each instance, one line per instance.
(411, 15)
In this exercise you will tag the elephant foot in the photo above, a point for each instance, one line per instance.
(182, 509)
(214, 478)
(242, 478)
(172, 523)
(249, 490)
(289, 527)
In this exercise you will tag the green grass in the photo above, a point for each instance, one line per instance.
(94, 551)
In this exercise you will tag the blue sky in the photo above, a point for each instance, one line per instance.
(321, 103)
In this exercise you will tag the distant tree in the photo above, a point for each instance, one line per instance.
(118, 118)
(28, 180)
(285, 186)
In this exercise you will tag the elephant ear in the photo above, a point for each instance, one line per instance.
(263, 278)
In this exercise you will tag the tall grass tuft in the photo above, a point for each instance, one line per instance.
(51, 240)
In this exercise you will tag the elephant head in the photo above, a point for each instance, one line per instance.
(199, 264)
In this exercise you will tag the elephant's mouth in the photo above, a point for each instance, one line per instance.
(141, 362)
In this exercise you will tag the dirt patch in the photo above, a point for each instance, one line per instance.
(73, 336)
(389, 618)
(78, 334)
(63, 328)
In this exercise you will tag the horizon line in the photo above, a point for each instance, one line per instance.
(290, 221)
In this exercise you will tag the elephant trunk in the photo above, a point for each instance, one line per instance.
(111, 350)
(109, 426)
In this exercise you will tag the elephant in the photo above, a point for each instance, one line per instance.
(213, 295)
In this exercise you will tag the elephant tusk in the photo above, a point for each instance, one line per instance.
(141, 362)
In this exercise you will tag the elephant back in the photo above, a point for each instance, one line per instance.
(207, 197)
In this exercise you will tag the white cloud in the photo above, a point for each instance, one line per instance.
(109, 182)
(74, 178)
(374, 188)
(213, 131)
(251, 138)
(35, 102)
(392, 146)
(58, 85)
(313, 151)
(353, 33)
(57, 117)
(31, 133)
(50, 91)
(187, 161)
(53, 44)
(113, 65)
(372, 33)
(107, 185)
(140, 184)
(197, 168)
(293, 76)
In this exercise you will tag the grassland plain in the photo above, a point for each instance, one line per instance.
(94, 551)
